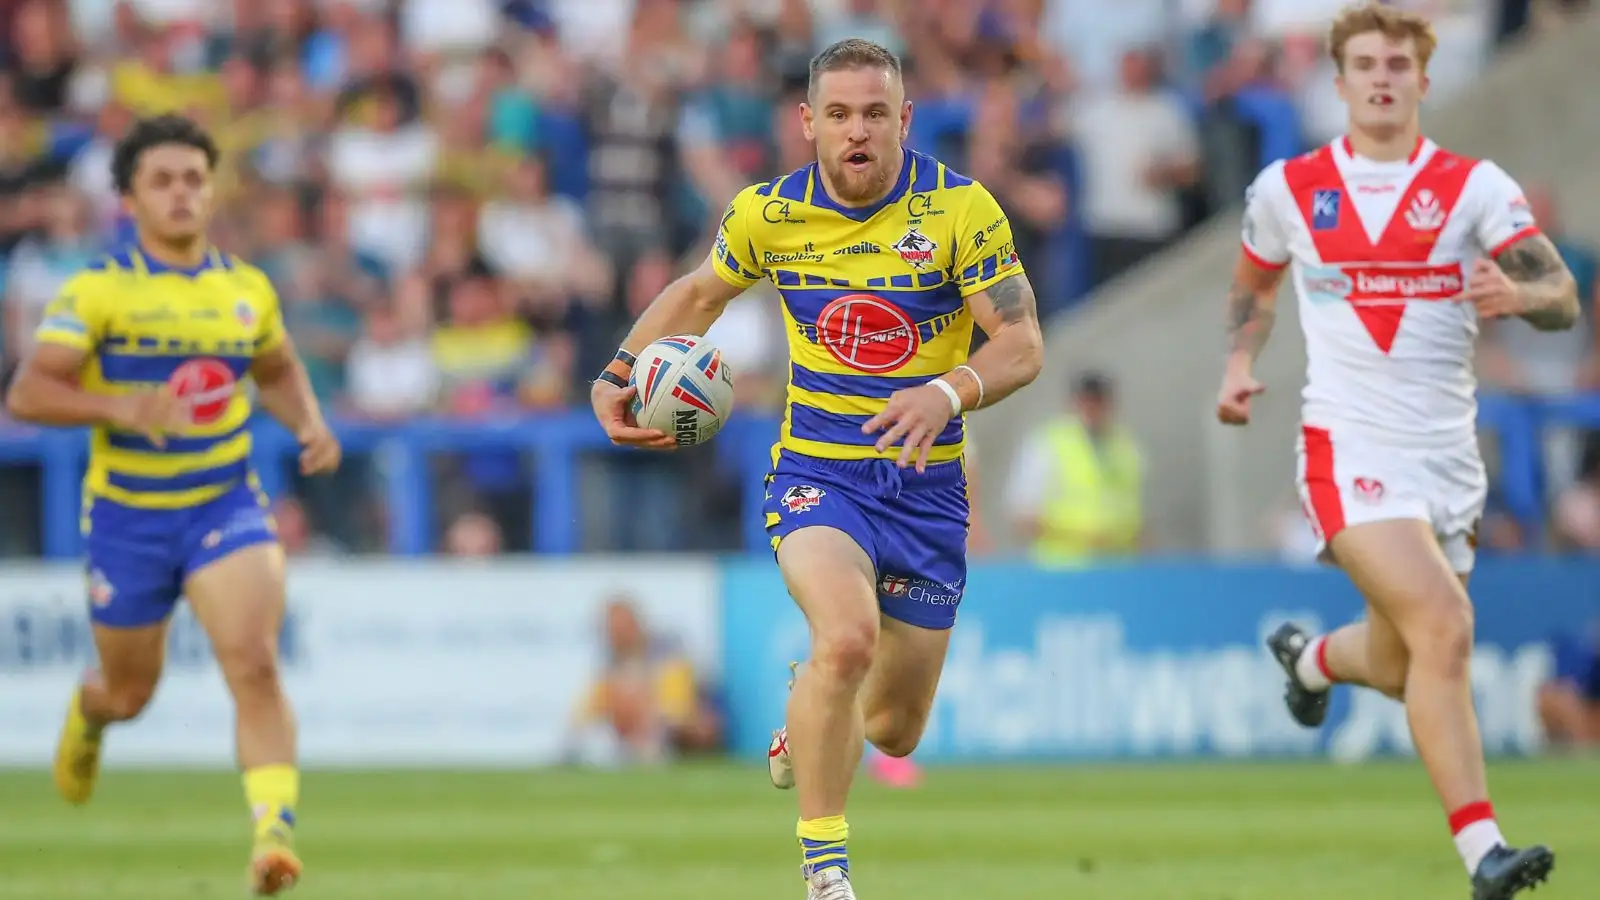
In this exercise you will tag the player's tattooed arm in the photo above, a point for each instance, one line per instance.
(1547, 292)
(1252, 309)
(1008, 313)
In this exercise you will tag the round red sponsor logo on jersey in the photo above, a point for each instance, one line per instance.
(868, 333)
(207, 385)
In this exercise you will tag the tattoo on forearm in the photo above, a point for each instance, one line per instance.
(1013, 299)
(1249, 321)
(1549, 292)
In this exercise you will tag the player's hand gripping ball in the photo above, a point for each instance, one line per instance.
(680, 394)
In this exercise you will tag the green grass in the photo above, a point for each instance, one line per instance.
(1196, 832)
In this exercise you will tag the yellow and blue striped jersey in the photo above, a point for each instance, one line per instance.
(143, 324)
(874, 298)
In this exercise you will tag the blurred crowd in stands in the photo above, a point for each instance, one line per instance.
(464, 202)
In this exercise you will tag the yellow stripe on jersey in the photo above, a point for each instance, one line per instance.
(874, 298)
(141, 325)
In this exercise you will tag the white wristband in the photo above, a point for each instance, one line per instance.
(949, 391)
(979, 381)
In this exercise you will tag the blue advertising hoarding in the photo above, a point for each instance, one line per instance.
(1159, 660)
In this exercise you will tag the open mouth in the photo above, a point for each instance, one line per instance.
(1382, 100)
(858, 160)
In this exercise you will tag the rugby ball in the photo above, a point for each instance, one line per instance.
(684, 389)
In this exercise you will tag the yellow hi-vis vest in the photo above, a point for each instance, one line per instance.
(1095, 510)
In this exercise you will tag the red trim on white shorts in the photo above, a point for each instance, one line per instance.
(1322, 486)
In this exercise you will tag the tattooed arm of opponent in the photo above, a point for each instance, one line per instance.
(1252, 309)
(1544, 293)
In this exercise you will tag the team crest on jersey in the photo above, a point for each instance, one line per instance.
(1426, 212)
(916, 249)
(244, 313)
(801, 497)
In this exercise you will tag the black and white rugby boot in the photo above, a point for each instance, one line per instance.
(1507, 872)
(1308, 707)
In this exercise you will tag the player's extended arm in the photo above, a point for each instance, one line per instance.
(46, 391)
(1545, 286)
(1252, 310)
(284, 389)
(688, 305)
(1008, 313)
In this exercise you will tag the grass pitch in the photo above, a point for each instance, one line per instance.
(1194, 832)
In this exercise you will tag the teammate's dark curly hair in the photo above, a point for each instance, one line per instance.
(153, 132)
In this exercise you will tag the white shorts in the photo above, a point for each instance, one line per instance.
(1346, 482)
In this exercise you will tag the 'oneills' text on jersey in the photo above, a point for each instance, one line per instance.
(142, 325)
(874, 299)
(1381, 254)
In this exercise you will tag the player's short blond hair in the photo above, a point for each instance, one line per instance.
(1394, 24)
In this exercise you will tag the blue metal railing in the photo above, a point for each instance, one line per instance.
(556, 441)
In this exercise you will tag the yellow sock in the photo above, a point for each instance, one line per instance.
(272, 792)
(822, 843)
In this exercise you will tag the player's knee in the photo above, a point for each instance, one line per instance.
(845, 649)
(896, 732)
(1443, 641)
(127, 701)
(251, 670)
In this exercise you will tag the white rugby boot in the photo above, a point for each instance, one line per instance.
(779, 765)
(829, 884)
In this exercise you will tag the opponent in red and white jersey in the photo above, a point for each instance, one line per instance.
(1380, 253)
(1398, 248)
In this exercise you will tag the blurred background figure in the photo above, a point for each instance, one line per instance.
(1076, 487)
(1569, 704)
(647, 704)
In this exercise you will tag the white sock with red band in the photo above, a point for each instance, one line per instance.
(1476, 833)
(1312, 666)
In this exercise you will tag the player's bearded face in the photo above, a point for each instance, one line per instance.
(1383, 82)
(172, 193)
(858, 119)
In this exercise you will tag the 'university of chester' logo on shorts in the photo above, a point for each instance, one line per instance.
(868, 333)
(801, 497)
(206, 386)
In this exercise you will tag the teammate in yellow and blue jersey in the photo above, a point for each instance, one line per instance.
(151, 348)
(886, 260)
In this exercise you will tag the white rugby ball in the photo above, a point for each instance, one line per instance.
(684, 389)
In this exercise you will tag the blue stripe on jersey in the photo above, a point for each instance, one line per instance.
(130, 367)
(140, 484)
(122, 440)
(926, 177)
(876, 386)
(806, 304)
(812, 424)
(953, 179)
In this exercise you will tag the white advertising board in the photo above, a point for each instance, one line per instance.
(387, 663)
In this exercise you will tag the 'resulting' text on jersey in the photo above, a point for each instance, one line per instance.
(152, 515)
(874, 301)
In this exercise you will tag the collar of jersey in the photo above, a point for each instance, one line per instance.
(820, 198)
(138, 259)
